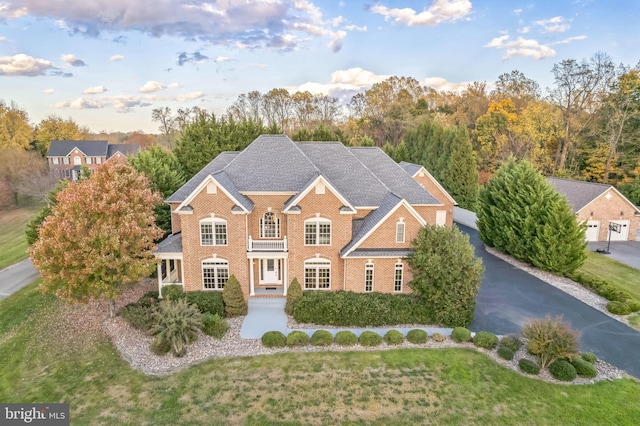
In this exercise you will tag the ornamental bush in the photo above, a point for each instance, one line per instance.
(393, 337)
(160, 347)
(485, 339)
(590, 357)
(346, 338)
(207, 301)
(550, 339)
(584, 368)
(512, 342)
(604, 289)
(370, 338)
(505, 353)
(178, 324)
(172, 292)
(297, 338)
(214, 325)
(140, 316)
(618, 308)
(528, 366)
(234, 303)
(460, 335)
(274, 339)
(438, 337)
(417, 336)
(294, 292)
(562, 369)
(322, 338)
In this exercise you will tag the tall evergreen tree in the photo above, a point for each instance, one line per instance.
(461, 174)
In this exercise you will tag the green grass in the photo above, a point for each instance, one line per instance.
(634, 321)
(621, 276)
(13, 242)
(42, 361)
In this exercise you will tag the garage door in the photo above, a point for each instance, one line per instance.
(593, 230)
(623, 235)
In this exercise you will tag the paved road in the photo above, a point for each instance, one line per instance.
(508, 297)
(16, 276)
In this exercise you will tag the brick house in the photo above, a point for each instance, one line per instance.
(599, 205)
(335, 218)
(66, 158)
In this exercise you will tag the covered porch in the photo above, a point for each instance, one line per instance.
(170, 265)
(268, 274)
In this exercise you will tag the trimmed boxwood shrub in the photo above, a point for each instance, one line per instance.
(297, 338)
(618, 308)
(417, 336)
(393, 337)
(512, 342)
(505, 353)
(438, 337)
(208, 302)
(561, 369)
(460, 335)
(528, 366)
(322, 338)
(274, 339)
(590, 357)
(214, 325)
(486, 340)
(604, 289)
(584, 368)
(346, 338)
(293, 294)
(349, 309)
(370, 338)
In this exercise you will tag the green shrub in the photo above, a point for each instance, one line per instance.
(438, 337)
(349, 309)
(486, 340)
(214, 325)
(618, 308)
(297, 338)
(274, 339)
(590, 357)
(160, 346)
(322, 338)
(178, 324)
(528, 366)
(561, 369)
(460, 335)
(417, 336)
(234, 303)
(606, 290)
(550, 339)
(505, 353)
(207, 301)
(346, 338)
(140, 316)
(584, 368)
(512, 342)
(148, 299)
(294, 292)
(370, 338)
(172, 292)
(393, 337)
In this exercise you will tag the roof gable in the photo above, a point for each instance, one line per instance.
(126, 149)
(222, 181)
(580, 194)
(413, 170)
(293, 201)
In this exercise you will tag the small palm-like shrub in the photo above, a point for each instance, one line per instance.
(584, 368)
(528, 366)
(485, 339)
(297, 338)
(159, 347)
(512, 342)
(417, 336)
(562, 370)
(370, 338)
(460, 335)
(438, 337)
(234, 303)
(619, 308)
(505, 353)
(214, 325)
(346, 338)
(294, 292)
(322, 338)
(393, 337)
(178, 324)
(550, 339)
(274, 339)
(590, 357)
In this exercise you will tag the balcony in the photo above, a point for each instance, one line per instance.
(267, 245)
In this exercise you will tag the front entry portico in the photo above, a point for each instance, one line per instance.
(267, 270)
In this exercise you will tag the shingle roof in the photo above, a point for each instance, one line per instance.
(127, 149)
(223, 179)
(89, 148)
(578, 193)
(410, 168)
(381, 252)
(171, 244)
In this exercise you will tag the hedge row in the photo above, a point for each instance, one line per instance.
(349, 309)
(207, 301)
(625, 302)
(274, 339)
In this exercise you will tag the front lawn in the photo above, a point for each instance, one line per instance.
(50, 356)
(13, 242)
(617, 274)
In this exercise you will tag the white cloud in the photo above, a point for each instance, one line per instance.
(24, 65)
(355, 28)
(2, 39)
(48, 91)
(222, 59)
(173, 86)
(94, 90)
(517, 11)
(571, 39)
(442, 85)
(189, 96)
(521, 47)
(524, 30)
(116, 58)
(557, 24)
(343, 83)
(80, 103)
(438, 12)
(73, 60)
(151, 86)
(9, 11)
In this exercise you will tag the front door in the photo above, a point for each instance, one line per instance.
(270, 271)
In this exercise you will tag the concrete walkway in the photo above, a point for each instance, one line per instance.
(17, 276)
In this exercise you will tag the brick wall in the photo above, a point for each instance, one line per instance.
(383, 275)
(614, 208)
(426, 182)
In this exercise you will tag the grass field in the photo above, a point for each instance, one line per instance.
(13, 243)
(618, 274)
(48, 356)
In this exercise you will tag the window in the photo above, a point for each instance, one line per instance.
(77, 161)
(317, 274)
(215, 274)
(55, 160)
(368, 277)
(398, 275)
(400, 232)
(269, 226)
(88, 160)
(65, 160)
(98, 160)
(213, 232)
(317, 232)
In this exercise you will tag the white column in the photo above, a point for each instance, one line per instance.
(160, 277)
(182, 274)
(285, 275)
(251, 284)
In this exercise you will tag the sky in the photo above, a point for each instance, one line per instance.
(108, 63)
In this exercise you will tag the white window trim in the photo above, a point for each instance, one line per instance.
(88, 160)
(217, 265)
(317, 264)
(77, 161)
(55, 160)
(65, 160)
(403, 226)
(368, 267)
(214, 221)
(276, 223)
(398, 267)
(317, 221)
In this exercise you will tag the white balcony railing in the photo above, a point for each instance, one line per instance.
(267, 245)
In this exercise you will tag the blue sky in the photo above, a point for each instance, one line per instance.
(108, 63)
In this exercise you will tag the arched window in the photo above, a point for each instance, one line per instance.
(77, 161)
(213, 232)
(317, 274)
(215, 274)
(269, 226)
(317, 232)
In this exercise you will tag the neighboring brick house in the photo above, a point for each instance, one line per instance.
(66, 158)
(598, 205)
(335, 218)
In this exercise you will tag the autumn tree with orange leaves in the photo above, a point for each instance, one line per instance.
(99, 236)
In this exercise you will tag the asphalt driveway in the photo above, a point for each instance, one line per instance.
(508, 297)
(627, 252)
(16, 276)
